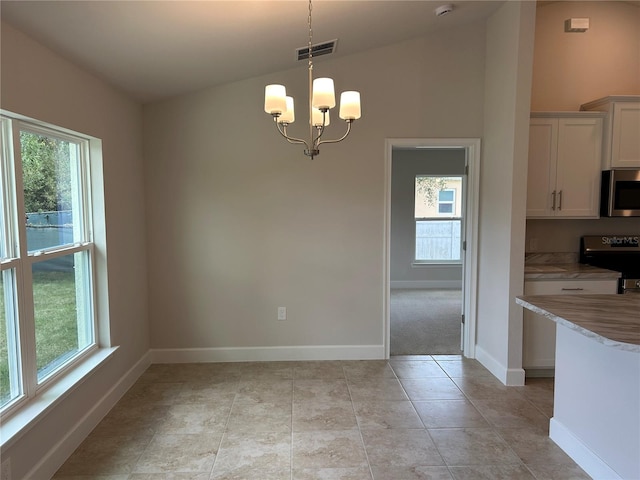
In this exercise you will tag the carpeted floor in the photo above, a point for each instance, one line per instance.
(425, 322)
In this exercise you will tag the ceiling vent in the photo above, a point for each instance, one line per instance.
(443, 10)
(317, 50)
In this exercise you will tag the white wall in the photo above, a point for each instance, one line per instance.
(503, 189)
(240, 222)
(406, 164)
(37, 83)
(570, 69)
(574, 68)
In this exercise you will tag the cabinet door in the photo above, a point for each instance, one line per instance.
(539, 333)
(578, 167)
(625, 141)
(541, 179)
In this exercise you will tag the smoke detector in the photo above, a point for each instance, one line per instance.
(443, 10)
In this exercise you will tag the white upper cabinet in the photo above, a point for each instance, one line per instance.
(564, 165)
(621, 145)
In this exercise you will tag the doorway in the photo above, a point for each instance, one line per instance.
(431, 234)
(427, 214)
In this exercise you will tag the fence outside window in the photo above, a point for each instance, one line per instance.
(438, 240)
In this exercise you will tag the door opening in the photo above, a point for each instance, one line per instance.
(431, 215)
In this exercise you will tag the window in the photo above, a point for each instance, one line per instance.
(438, 219)
(47, 321)
(446, 202)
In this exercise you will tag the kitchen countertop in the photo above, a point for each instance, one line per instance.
(561, 271)
(612, 320)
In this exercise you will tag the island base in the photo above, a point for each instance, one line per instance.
(596, 405)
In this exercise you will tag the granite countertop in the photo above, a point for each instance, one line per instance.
(559, 271)
(562, 266)
(609, 319)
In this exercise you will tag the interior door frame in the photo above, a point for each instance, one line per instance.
(470, 266)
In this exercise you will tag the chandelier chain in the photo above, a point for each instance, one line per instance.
(310, 33)
(311, 139)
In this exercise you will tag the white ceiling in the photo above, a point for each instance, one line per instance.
(157, 49)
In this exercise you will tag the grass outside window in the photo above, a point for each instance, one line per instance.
(56, 325)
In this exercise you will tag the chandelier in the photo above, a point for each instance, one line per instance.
(321, 100)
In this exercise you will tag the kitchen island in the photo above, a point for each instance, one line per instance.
(596, 418)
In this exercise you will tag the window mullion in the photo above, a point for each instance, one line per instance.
(57, 251)
(24, 292)
(87, 199)
(8, 219)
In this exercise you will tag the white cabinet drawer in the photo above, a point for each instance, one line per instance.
(569, 287)
(539, 333)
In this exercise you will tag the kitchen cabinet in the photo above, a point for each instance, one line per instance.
(565, 151)
(621, 140)
(539, 333)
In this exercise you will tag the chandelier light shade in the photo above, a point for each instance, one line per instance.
(275, 99)
(350, 105)
(322, 98)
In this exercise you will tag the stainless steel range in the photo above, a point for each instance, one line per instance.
(614, 252)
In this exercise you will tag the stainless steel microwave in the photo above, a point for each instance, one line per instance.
(620, 193)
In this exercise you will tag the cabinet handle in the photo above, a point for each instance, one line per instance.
(560, 200)
(578, 289)
(553, 194)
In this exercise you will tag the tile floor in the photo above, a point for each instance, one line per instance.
(428, 417)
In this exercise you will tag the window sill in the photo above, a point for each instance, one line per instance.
(35, 409)
(435, 264)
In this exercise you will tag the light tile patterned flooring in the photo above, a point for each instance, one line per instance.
(427, 417)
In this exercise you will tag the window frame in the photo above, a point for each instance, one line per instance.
(19, 259)
(439, 217)
(452, 203)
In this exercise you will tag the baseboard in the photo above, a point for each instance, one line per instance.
(427, 284)
(580, 453)
(511, 377)
(267, 354)
(54, 459)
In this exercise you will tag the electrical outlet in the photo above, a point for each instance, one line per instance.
(5, 469)
(282, 313)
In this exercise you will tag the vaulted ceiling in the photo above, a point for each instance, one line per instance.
(157, 49)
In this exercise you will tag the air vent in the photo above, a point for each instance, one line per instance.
(319, 49)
